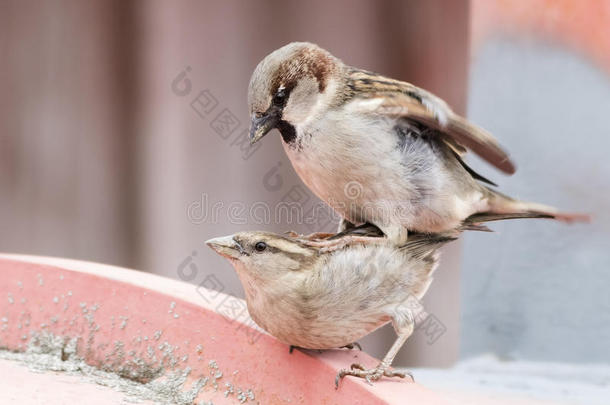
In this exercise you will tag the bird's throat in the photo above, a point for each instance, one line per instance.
(288, 132)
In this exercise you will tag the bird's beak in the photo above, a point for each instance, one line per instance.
(260, 126)
(226, 246)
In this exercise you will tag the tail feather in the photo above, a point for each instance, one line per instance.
(502, 208)
(570, 217)
(501, 204)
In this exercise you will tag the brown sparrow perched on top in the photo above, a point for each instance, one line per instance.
(319, 299)
(377, 150)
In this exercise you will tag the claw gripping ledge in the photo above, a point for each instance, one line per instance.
(157, 340)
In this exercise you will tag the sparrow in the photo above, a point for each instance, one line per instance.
(377, 150)
(324, 299)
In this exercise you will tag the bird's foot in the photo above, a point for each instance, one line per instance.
(336, 244)
(351, 346)
(370, 375)
(318, 236)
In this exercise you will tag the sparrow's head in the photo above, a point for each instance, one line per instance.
(287, 86)
(263, 255)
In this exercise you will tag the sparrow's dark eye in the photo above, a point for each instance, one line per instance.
(260, 246)
(279, 100)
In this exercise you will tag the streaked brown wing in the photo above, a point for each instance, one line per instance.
(423, 107)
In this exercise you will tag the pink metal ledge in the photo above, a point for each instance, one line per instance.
(142, 326)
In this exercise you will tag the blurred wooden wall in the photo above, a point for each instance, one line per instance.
(66, 158)
(100, 158)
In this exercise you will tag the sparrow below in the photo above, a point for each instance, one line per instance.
(316, 299)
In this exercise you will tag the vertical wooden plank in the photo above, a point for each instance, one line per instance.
(64, 130)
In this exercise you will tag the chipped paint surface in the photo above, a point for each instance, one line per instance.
(69, 330)
(48, 352)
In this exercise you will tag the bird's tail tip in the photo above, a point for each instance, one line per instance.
(502, 204)
(571, 218)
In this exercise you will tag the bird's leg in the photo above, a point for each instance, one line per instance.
(345, 225)
(339, 243)
(383, 368)
(311, 236)
(360, 234)
(317, 236)
(328, 242)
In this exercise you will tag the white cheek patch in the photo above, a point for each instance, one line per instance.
(301, 101)
(321, 104)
